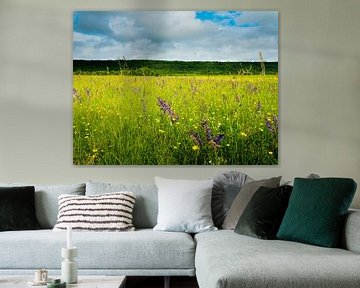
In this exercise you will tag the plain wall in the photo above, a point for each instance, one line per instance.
(319, 91)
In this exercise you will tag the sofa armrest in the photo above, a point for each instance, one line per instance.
(351, 233)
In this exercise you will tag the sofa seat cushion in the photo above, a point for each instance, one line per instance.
(142, 249)
(225, 259)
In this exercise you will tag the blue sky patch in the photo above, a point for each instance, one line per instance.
(225, 18)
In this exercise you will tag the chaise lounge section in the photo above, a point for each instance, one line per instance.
(225, 259)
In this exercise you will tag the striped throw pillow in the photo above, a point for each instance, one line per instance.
(105, 212)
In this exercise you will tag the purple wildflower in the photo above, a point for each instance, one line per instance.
(166, 108)
(215, 142)
(272, 124)
(258, 106)
(218, 138)
(276, 122)
(76, 95)
(207, 129)
(269, 126)
(196, 138)
(87, 92)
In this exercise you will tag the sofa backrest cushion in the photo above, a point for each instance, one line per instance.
(46, 200)
(146, 204)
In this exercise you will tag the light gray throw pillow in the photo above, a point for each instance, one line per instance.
(243, 198)
(184, 205)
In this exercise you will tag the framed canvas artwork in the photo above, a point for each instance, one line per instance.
(175, 88)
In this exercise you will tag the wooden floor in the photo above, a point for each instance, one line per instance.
(158, 282)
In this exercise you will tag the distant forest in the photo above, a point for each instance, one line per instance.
(171, 68)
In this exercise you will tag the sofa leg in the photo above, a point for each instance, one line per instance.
(167, 282)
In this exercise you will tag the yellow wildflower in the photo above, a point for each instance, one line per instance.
(243, 134)
(195, 147)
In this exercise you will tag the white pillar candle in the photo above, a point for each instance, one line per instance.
(69, 237)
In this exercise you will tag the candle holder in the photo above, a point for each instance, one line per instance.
(68, 265)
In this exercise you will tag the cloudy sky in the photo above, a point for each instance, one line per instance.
(176, 35)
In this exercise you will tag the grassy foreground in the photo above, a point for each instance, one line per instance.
(175, 120)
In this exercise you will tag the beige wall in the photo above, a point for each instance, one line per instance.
(319, 90)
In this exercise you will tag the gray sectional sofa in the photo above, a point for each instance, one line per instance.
(226, 259)
(219, 259)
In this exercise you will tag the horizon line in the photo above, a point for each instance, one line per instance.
(251, 61)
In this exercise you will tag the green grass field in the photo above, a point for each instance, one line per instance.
(175, 120)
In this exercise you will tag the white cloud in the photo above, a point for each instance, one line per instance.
(178, 35)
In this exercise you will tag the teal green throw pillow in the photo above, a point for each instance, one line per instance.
(316, 211)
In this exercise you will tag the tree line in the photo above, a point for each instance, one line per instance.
(171, 68)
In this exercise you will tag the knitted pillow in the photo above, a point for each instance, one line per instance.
(105, 212)
(317, 210)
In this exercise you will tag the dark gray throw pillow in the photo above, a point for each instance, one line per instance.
(263, 214)
(243, 198)
(17, 208)
(225, 189)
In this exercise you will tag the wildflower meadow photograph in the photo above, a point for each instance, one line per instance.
(175, 88)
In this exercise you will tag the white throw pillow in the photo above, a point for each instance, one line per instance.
(184, 205)
(104, 212)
